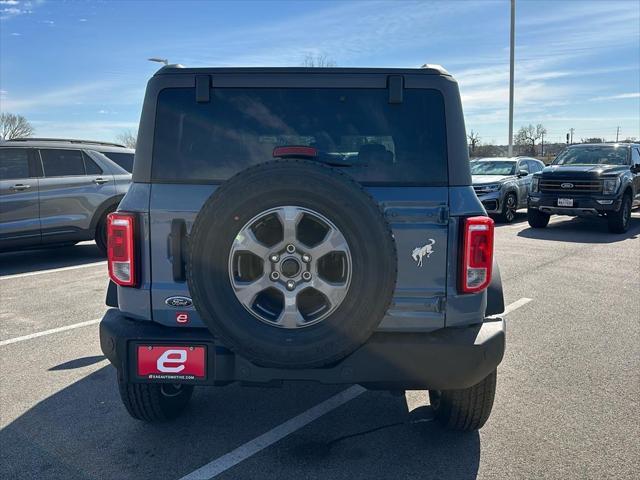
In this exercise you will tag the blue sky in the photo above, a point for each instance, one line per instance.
(79, 69)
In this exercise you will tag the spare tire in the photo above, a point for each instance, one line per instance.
(291, 264)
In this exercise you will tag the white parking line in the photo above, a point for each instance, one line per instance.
(48, 332)
(515, 305)
(52, 270)
(274, 435)
(231, 459)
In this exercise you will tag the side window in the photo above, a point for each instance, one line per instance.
(534, 166)
(524, 165)
(62, 163)
(635, 156)
(14, 163)
(91, 167)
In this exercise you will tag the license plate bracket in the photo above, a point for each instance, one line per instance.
(565, 202)
(168, 362)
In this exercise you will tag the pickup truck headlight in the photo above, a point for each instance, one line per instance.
(535, 184)
(610, 185)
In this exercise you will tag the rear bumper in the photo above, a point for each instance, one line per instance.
(449, 358)
(583, 206)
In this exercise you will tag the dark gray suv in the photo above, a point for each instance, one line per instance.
(303, 224)
(57, 192)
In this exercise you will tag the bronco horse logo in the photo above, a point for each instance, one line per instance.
(425, 251)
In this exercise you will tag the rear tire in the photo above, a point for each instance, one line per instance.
(619, 221)
(154, 402)
(537, 219)
(466, 409)
(509, 208)
(101, 232)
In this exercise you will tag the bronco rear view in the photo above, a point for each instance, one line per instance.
(303, 224)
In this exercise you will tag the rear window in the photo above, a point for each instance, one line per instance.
(124, 160)
(381, 142)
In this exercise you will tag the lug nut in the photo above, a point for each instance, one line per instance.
(274, 258)
(275, 276)
(291, 248)
(291, 285)
(306, 276)
(306, 258)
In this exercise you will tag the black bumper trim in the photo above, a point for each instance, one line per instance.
(449, 358)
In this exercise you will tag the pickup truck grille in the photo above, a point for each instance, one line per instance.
(570, 186)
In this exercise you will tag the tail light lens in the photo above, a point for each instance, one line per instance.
(121, 250)
(477, 254)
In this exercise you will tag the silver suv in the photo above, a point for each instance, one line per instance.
(503, 183)
(57, 192)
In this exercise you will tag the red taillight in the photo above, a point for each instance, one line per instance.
(121, 248)
(477, 254)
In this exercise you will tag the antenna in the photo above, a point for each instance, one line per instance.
(159, 60)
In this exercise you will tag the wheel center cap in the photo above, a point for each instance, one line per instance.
(290, 267)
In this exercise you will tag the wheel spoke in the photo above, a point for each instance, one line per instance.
(333, 242)
(290, 316)
(333, 291)
(289, 218)
(247, 292)
(246, 240)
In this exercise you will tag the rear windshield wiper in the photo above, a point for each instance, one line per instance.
(312, 153)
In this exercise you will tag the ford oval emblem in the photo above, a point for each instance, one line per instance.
(567, 185)
(178, 302)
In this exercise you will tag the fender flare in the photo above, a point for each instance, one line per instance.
(103, 208)
(495, 295)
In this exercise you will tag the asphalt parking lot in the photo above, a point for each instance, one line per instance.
(566, 406)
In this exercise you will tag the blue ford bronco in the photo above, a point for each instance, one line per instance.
(303, 224)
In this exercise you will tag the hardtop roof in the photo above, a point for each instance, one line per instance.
(179, 69)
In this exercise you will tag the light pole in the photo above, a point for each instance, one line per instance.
(159, 60)
(511, 68)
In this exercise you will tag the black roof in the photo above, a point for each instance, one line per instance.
(425, 70)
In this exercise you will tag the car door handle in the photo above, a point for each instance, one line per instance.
(100, 181)
(20, 186)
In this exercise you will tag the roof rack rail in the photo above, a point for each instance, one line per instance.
(66, 140)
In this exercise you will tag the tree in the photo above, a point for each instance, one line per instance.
(319, 60)
(474, 141)
(14, 126)
(527, 137)
(592, 140)
(128, 138)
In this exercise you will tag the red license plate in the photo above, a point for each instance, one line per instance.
(157, 362)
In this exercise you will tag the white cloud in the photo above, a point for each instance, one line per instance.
(616, 97)
(9, 2)
(86, 93)
(82, 19)
(15, 34)
(97, 130)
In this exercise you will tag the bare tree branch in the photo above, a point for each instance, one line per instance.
(527, 137)
(474, 141)
(321, 61)
(14, 126)
(128, 138)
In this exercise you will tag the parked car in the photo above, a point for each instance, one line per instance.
(601, 180)
(115, 152)
(290, 227)
(502, 184)
(56, 192)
